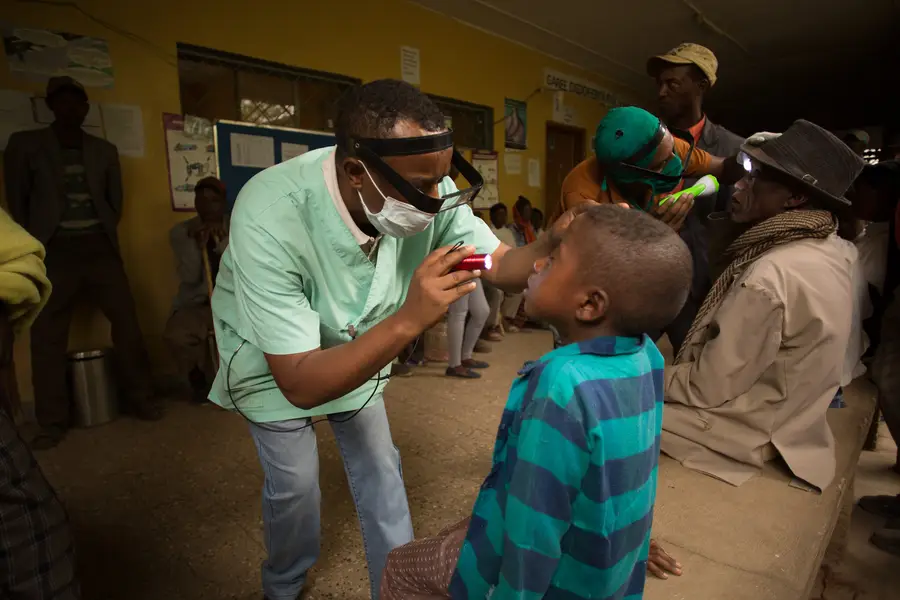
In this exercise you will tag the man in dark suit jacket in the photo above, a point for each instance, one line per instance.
(65, 187)
(683, 76)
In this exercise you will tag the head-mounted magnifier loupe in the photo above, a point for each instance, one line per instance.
(372, 150)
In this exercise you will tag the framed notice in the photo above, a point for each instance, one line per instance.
(191, 157)
(486, 164)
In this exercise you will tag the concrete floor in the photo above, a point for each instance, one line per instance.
(170, 510)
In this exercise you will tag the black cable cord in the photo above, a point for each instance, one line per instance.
(378, 379)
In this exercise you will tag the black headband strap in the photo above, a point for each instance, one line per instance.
(649, 147)
(425, 144)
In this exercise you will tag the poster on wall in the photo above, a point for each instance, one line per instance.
(124, 125)
(191, 157)
(512, 162)
(534, 173)
(409, 65)
(486, 164)
(515, 120)
(39, 54)
(562, 112)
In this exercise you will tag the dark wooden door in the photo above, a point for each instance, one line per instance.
(565, 149)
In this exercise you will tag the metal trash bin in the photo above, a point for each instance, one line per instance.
(93, 387)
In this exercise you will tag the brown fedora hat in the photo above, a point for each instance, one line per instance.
(813, 158)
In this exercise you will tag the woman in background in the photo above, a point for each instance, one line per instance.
(523, 230)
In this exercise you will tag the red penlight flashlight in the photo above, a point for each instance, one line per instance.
(476, 262)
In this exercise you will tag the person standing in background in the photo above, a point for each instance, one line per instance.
(64, 186)
(523, 234)
(37, 556)
(683, 77)
(537, 221)
(189, 327)
(500, 304)
(462, 335)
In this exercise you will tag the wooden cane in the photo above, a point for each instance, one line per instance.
(207, 272)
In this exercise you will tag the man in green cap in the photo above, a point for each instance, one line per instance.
(639, 162)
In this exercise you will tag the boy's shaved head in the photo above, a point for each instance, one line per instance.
(641, 263)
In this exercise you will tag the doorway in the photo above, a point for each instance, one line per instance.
(565, 149)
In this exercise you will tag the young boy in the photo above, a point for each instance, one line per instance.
(567, 507)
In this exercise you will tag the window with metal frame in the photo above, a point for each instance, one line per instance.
(473, 124)
(222, 85)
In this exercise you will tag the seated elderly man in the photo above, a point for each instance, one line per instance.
(764, 356)
(188, 329)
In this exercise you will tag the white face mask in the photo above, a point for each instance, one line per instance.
(396, 218)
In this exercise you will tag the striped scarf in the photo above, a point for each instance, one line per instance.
(781, 229)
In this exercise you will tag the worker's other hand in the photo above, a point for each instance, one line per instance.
(761, 137)
(674, 212)
(552, 236)
(660, 564)
(434, 288)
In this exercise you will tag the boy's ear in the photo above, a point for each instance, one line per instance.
(592, 305)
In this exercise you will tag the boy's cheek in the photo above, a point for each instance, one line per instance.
(534, 301)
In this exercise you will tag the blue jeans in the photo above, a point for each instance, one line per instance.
(291, 496)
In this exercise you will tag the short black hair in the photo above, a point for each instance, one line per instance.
(497, 208)
(373, 110)
(641, 263)
(521, 202)
(537, 212)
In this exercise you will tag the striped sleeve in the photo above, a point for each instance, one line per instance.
(543, 486)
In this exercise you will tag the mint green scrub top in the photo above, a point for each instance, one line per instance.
(294, 279)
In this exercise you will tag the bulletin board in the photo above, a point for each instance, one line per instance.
(243, 150)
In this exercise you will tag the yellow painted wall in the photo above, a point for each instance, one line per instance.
(358, 38)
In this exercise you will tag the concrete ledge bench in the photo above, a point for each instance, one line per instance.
(765, 539)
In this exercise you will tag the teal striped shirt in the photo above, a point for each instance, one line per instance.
(565, 512)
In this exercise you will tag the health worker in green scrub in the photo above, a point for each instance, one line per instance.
(338, 259)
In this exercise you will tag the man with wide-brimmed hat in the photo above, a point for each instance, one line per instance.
(764, 356)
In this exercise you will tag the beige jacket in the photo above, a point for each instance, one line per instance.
(759, 380)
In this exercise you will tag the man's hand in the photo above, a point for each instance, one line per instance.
(660, 564)
(551, 237)
(434, 288)
(205, 231)
(673, 213)
(761, 137)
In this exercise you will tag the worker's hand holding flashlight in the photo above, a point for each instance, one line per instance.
(435, 286)
(673, 212)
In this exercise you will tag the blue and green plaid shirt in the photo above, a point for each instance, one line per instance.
(565, 512)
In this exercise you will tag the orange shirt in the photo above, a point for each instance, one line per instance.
(583, 182)
(697, 130)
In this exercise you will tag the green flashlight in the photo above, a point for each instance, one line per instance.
(705, 186)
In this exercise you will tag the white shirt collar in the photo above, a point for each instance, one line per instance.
(329, 170)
